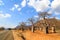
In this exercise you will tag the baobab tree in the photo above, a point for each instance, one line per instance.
(22, 26)
(32, 21)
(44, 15)
(54, 25)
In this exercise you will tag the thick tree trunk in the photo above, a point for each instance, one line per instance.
(53, 30)
(46, 30)
(40, 29)
(46, 26)
(32, 29)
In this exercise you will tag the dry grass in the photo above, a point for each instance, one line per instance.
(37, 35)
(15, 35)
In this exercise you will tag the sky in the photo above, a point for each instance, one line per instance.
(12, 12)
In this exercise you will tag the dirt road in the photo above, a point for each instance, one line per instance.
(9, 35)
(6, 35)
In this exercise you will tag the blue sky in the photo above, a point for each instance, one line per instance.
(14, 11)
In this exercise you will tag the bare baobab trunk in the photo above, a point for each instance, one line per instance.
(32, 29)
(46, 30)
(44, 15)
(40, 29)
(32, 23)
(54, 26)
(46, 27)
(53, 29)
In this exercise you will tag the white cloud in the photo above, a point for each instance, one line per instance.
(50, 11)
(12, 9)
(57, 13)
(15, 7)
(5, 15)
(57, 17)
(39, 5)
(19, 9)
(56, 5)
(1, 2)
(23, 3)
(36, 16)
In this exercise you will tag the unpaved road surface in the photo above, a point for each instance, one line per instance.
(9, 35)
(6, 35)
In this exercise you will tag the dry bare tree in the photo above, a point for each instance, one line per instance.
(44, 15)
(54, 25)
(22, 26)
(32, 21)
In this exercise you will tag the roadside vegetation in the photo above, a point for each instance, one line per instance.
(44, 23)
(42, 28)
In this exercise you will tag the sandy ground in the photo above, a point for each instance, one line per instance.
(6, 35)
(28, 35)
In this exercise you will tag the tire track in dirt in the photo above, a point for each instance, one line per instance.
(6, 35)
(9, 36)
